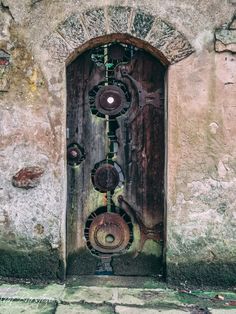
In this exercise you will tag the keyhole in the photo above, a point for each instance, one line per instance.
(110, 238)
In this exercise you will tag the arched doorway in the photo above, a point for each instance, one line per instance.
(116, 153)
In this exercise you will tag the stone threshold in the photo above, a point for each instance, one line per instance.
(80, 295)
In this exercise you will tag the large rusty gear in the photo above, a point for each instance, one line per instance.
(109, 233)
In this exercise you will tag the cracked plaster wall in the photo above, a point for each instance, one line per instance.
(201, 160)
(201, 168)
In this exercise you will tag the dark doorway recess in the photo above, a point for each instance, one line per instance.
(115, 156)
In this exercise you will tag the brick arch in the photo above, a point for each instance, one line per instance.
(79, 28)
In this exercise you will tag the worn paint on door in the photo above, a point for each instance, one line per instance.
(115, 134)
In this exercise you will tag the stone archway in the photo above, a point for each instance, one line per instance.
(73, 35)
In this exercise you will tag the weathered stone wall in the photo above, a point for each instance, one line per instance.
(201, 168)
(40, 37)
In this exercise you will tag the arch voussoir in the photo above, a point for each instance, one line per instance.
(95, 22)
(142, 24)
(57, 48)
(119, 19)
(173, 45)
(73, 31)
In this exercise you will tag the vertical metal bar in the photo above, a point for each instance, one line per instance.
(107, 146)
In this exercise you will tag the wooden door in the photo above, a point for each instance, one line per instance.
(115, 156)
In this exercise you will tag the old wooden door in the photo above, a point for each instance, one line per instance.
(115, 134)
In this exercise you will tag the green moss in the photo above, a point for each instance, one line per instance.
(38, 264)
(154, 284)
(206, 299)
(105, 309)
(198, 302)
(142, 265)
(152, 247)
(228, 296)
(202, 274)
(8, 307)
(81, 262)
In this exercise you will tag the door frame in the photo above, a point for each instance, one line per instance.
(127, 39)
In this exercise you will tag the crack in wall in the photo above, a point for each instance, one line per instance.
(6, 9)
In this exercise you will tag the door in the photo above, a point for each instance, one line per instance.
(115, 156)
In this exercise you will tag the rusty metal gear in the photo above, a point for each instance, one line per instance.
(109, 233)
(110, 100)
(106, 178)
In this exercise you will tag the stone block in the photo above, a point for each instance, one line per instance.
(96, 295)
(123, 296)
(233, 24)
(142, 24)
(10, 307)
(220, 47)
(226, 36)
(57, 47)
(44, 292)
(72, 31)
(138, 310)
(225, 40)
(177, 49)
(146, 297)
(86, 309)
(4, 84)
(118, 18)
(4, 71)
(160, 33)
(95, 22)
(5, 21)
(170, 42)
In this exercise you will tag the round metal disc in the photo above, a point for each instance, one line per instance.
(110, 100)
(109, 233)
(74, 154)
(106, 178)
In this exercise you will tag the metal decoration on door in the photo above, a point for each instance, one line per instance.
(115, 123)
